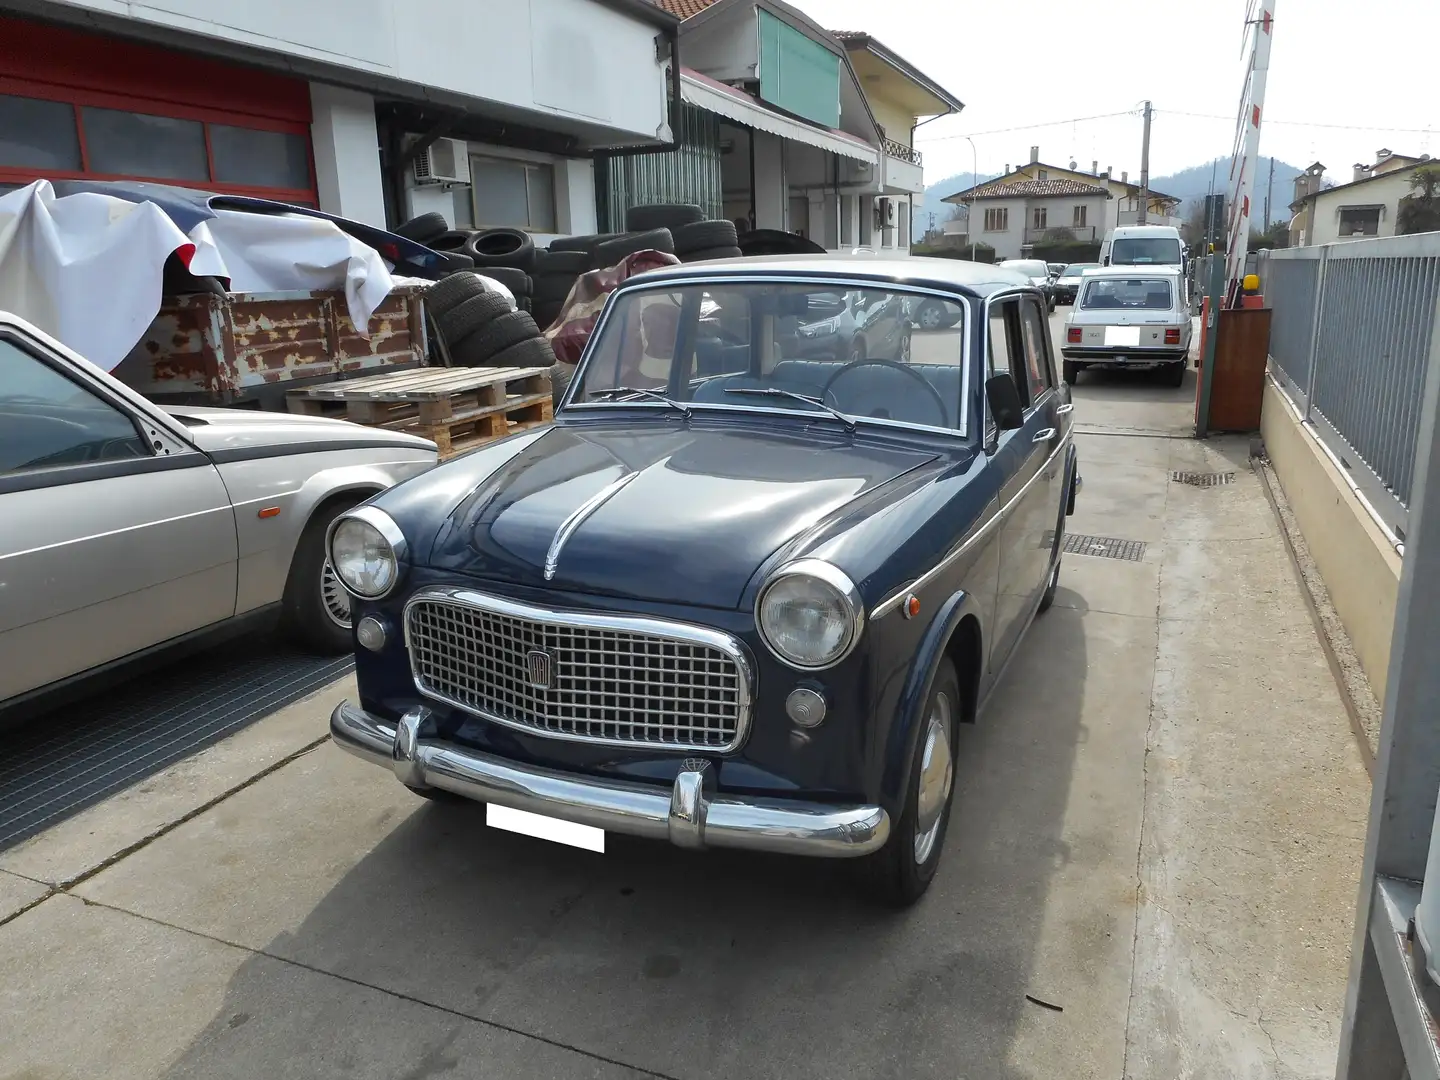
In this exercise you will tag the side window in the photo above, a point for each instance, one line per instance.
(48, 421)
(1007, 345)
(1037, 356)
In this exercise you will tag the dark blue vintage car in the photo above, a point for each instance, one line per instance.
(733, 597)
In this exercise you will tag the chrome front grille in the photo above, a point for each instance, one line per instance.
(612, 680)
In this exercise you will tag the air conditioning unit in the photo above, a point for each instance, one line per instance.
(445, 161)
(886, 213)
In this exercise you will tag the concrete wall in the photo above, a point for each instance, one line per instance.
(347, 156)
(725, 47)
(559, 56)
(1360, 568)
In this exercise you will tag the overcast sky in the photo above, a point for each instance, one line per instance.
(1368, 66)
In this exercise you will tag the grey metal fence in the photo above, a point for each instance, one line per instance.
(1353, 335)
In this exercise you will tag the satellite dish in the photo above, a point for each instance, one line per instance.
(1072, 165)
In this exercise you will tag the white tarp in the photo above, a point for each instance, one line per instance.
(87, 268)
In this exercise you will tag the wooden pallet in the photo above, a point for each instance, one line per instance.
(457, 408)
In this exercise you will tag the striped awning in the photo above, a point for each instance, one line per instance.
(740, 107)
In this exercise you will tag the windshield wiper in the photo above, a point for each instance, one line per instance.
(611, 391)
(775, 391)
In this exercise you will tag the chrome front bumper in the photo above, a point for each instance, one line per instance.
(687, 815)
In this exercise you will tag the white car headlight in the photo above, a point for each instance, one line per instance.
(365, 549)
(809, 614)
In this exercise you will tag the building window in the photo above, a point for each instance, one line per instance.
(512, 194)
(997, 219)
(66, 140)
(1077, 218)
(1044, 174)
(1038, 216)
(1360, 221)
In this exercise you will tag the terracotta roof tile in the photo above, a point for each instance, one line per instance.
(684, 8)
(1031, 189)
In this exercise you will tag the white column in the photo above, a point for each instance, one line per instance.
(575, 197)
(830, 211)
(347, 154)
(867, 221)
(850, 218)
(772, 194)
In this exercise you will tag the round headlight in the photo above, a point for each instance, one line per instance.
(363, 552)
(809, 614)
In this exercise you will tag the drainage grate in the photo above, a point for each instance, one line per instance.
(1105, 547)
(58, 764)
(1203, 479)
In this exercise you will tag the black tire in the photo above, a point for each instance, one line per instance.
(704, 234)
(587, 243)
(1049, 598)
(777, 242)
(517, 281)
(452, 240)
(452, 262)
(501, 247)
(662, 216)
(896, 875)
(1175, 373)
(710, 254)
(478, 347)
(560, 376)
(1071, 371)
(612, 251)
(532, 352)
(546, 312)
(552, 287)
(561, 263)
(465, 318)
(423, 229)
(450, 292)
(306, 614)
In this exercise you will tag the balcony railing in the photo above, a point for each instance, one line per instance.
(1085, 234)
(901, 151)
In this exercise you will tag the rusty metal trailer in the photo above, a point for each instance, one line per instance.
(249, 349)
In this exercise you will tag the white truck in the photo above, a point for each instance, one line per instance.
(1146, 245)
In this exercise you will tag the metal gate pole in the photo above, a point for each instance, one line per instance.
(1316, 317)
(1207, 357)
(1407, 777)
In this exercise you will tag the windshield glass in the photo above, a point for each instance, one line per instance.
(1145, 250)
(868, 352)
(1150, 294)
(1076, 269)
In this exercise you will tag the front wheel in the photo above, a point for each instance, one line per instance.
(901, 871)
(316, 605)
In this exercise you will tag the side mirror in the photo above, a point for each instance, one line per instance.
(1005, 404)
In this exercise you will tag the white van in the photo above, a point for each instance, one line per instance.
(1143, 245)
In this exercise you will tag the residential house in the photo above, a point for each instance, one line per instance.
(1366, 206)
(779, 128)
(378, 118)
(1084, 217)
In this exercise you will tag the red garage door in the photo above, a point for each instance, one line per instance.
(76, 105)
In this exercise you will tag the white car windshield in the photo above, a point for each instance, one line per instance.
(1076, 269)
(851, 352)
(1149, 294)
(1145, 251)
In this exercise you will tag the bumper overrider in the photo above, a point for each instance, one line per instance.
(688, 815)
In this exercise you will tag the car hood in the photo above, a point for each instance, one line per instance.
(233, 429)
(683, 515)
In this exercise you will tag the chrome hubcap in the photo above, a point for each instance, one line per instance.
(929, 318)
(333, 597)
(905, 349)
(937, 774)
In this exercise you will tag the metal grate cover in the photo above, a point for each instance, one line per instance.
(58, 764)
(576, 678)
(1203, 479)
(1105, 547)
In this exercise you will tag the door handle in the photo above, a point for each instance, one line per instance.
(1044, 436)
(1061, 410)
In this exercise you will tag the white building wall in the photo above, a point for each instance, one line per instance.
(1388, 190)
(573, 58)
(1006, 242)
(772, 192)
(347, 155)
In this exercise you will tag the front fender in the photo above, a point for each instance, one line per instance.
(909, 710)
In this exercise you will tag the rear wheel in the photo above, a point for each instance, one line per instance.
(1175, 373)
(1071, 371)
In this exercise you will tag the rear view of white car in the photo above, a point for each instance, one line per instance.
(1128, 316)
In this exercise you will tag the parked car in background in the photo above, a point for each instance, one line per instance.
(131, 529)
(930, 313)
(1128, 316)
(850, 326)
(1039, 275)
(1055, 269)
(746, 609)
(1067, 284)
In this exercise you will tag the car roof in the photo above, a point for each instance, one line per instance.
(1134, 270)
(958, 275)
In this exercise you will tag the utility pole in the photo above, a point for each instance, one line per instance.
(1145, 169)
(1269, 190)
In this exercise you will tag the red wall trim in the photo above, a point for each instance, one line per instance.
(53, 59)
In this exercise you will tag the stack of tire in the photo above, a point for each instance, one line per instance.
(479, 326)
(505, 255)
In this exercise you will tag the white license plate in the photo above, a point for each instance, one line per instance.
(1118, 337)
(545, 828)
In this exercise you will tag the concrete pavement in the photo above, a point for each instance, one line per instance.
(1157, 829)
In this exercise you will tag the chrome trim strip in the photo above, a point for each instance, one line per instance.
(682, 813)
(681, 633)
(834, 577)
(976, 534)
(577, 518)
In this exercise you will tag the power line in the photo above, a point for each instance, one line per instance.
(1303, 123)
(1030, 127)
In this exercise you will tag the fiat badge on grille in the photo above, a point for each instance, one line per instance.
(538, 664)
